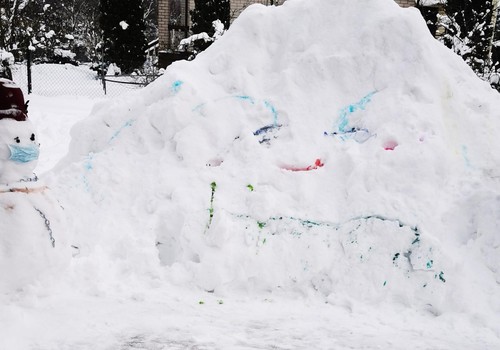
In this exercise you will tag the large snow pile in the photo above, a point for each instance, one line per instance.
(322, 147)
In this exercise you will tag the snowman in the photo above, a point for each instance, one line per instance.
(19, 148)
(31, 246)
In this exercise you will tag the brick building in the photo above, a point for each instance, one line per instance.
(174, 22)
(406, 3)
(172, 16)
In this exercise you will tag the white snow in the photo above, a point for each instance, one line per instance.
(49, 34)
(311, 181)
(124, 25)
(64, 53)
(189, 40)
(7, 57)
(219, 31)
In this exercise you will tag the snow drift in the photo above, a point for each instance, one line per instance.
(320, 147)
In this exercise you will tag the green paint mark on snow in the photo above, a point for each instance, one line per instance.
(264, 241)
(385, 282)
(261, 224)
(250, 187)
(201, 302)
(220, 302)
(429, 264)
(211, 211)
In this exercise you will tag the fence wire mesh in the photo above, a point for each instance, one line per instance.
(67, 79)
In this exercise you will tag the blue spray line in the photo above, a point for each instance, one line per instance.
(127, 124)
(88, 164)
(465, 155)
(87, 167)
(176, 86)
(307, 223)
(274, 112)
(345, 112)
(334, 226)
(341, 125)
(246, 98)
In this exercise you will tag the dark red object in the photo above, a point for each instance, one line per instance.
(12, 103)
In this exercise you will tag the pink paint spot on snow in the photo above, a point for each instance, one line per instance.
(390, 145)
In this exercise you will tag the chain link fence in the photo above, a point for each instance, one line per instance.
(50, 79)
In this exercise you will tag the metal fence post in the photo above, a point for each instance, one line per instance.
(103, 75)
(28, 56)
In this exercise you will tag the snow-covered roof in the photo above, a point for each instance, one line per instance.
(432, 2)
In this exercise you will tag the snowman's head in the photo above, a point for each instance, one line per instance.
(19, 147)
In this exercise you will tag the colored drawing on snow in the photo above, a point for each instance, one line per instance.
(127, 124)
(317, 164)
(245, 98)
(465, 155)
(176, 86)
(273, 111)
(390, 145)
(341, 128)
(266, 129)
(345, 112)
(249, 99)
(357, 134)
(87, 166)
(211, 211)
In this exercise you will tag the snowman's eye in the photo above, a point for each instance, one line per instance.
(17, 139)
(32, 138)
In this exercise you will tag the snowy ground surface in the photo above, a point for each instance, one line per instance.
(303, 184)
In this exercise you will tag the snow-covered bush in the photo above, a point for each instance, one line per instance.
(189, 44)
(6, 60)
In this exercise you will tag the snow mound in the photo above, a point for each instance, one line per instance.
(329, 147)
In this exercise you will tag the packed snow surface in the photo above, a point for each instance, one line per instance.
(324, 176)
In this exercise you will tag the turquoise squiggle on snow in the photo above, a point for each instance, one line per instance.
(345, 112)
(127, 124)
(176, 86)
(246, 98)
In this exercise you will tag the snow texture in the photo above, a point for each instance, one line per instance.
(191, 229)
(124, 25)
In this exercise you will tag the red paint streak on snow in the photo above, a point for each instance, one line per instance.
(317, 164)
(390, 145)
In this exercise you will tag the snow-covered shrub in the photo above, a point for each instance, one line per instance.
(7, 60)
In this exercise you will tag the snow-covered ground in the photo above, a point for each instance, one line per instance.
(325, 176)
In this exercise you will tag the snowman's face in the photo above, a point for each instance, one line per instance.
(19, 150)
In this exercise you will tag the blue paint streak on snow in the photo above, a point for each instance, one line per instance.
(465, 155)
(88, 166)
(176, 86)
(359, 135)
(345, 112)
(273, 111)
(246, 98)
(127, 124)
(265, 129)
